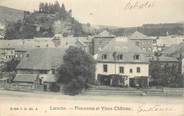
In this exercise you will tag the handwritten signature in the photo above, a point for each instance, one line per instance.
(154, 108)
(138, 4)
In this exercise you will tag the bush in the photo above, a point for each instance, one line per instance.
(54, 87)
(73, 87)
(77, 71)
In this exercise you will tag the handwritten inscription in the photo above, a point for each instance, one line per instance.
(138, 4)
(154, 108)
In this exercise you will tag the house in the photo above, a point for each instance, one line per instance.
(122, 63)
(169, 40)
(144, 42)
(7, 50)
(38, 67)
(101, 40)
(18, 47)
(10, 49)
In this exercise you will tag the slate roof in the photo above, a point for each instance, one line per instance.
(42, 59)
(174, 50)
(25, 78)
(165, 59)
(139, 36)
(125, 47)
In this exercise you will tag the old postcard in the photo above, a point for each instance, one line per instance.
(91, 57)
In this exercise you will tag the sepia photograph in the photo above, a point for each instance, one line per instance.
(92, 57)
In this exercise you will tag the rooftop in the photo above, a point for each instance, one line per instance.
(122, 46)
(42, 59)
(25, 78)
(165, 59)
(174, 50)
(139, 36)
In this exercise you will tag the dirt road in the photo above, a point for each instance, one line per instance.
(55, 104)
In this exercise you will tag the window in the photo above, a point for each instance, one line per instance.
(27, 55)
(121, 69)
(138, 69)
(131, 71)
(136, 57)
(104, 56)
(137, 43)
(11, 52)
(120, 57)
(43, 72)
(53, 71)
(105, 68)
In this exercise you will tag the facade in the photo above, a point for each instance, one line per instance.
(144, 42)
(10, 49)
(121, 58)
(6, 54)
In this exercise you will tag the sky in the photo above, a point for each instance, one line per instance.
(114, 12)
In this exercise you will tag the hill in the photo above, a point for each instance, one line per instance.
(48, 20)
(10, 15)
(150, 29)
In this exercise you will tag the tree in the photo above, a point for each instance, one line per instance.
(165, 75)
(56, 6)
(78, 70)
(11, 65)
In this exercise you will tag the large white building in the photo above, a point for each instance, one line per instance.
(121, 59)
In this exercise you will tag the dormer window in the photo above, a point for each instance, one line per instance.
(27, 55)
(136, 57)
(120, 56)
(53, 71)
(137, 43)
(104, 56)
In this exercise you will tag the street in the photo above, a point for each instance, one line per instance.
(23, 103)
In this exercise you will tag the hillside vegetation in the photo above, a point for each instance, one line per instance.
(49, 20)
(152, 29)
(10, 15)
